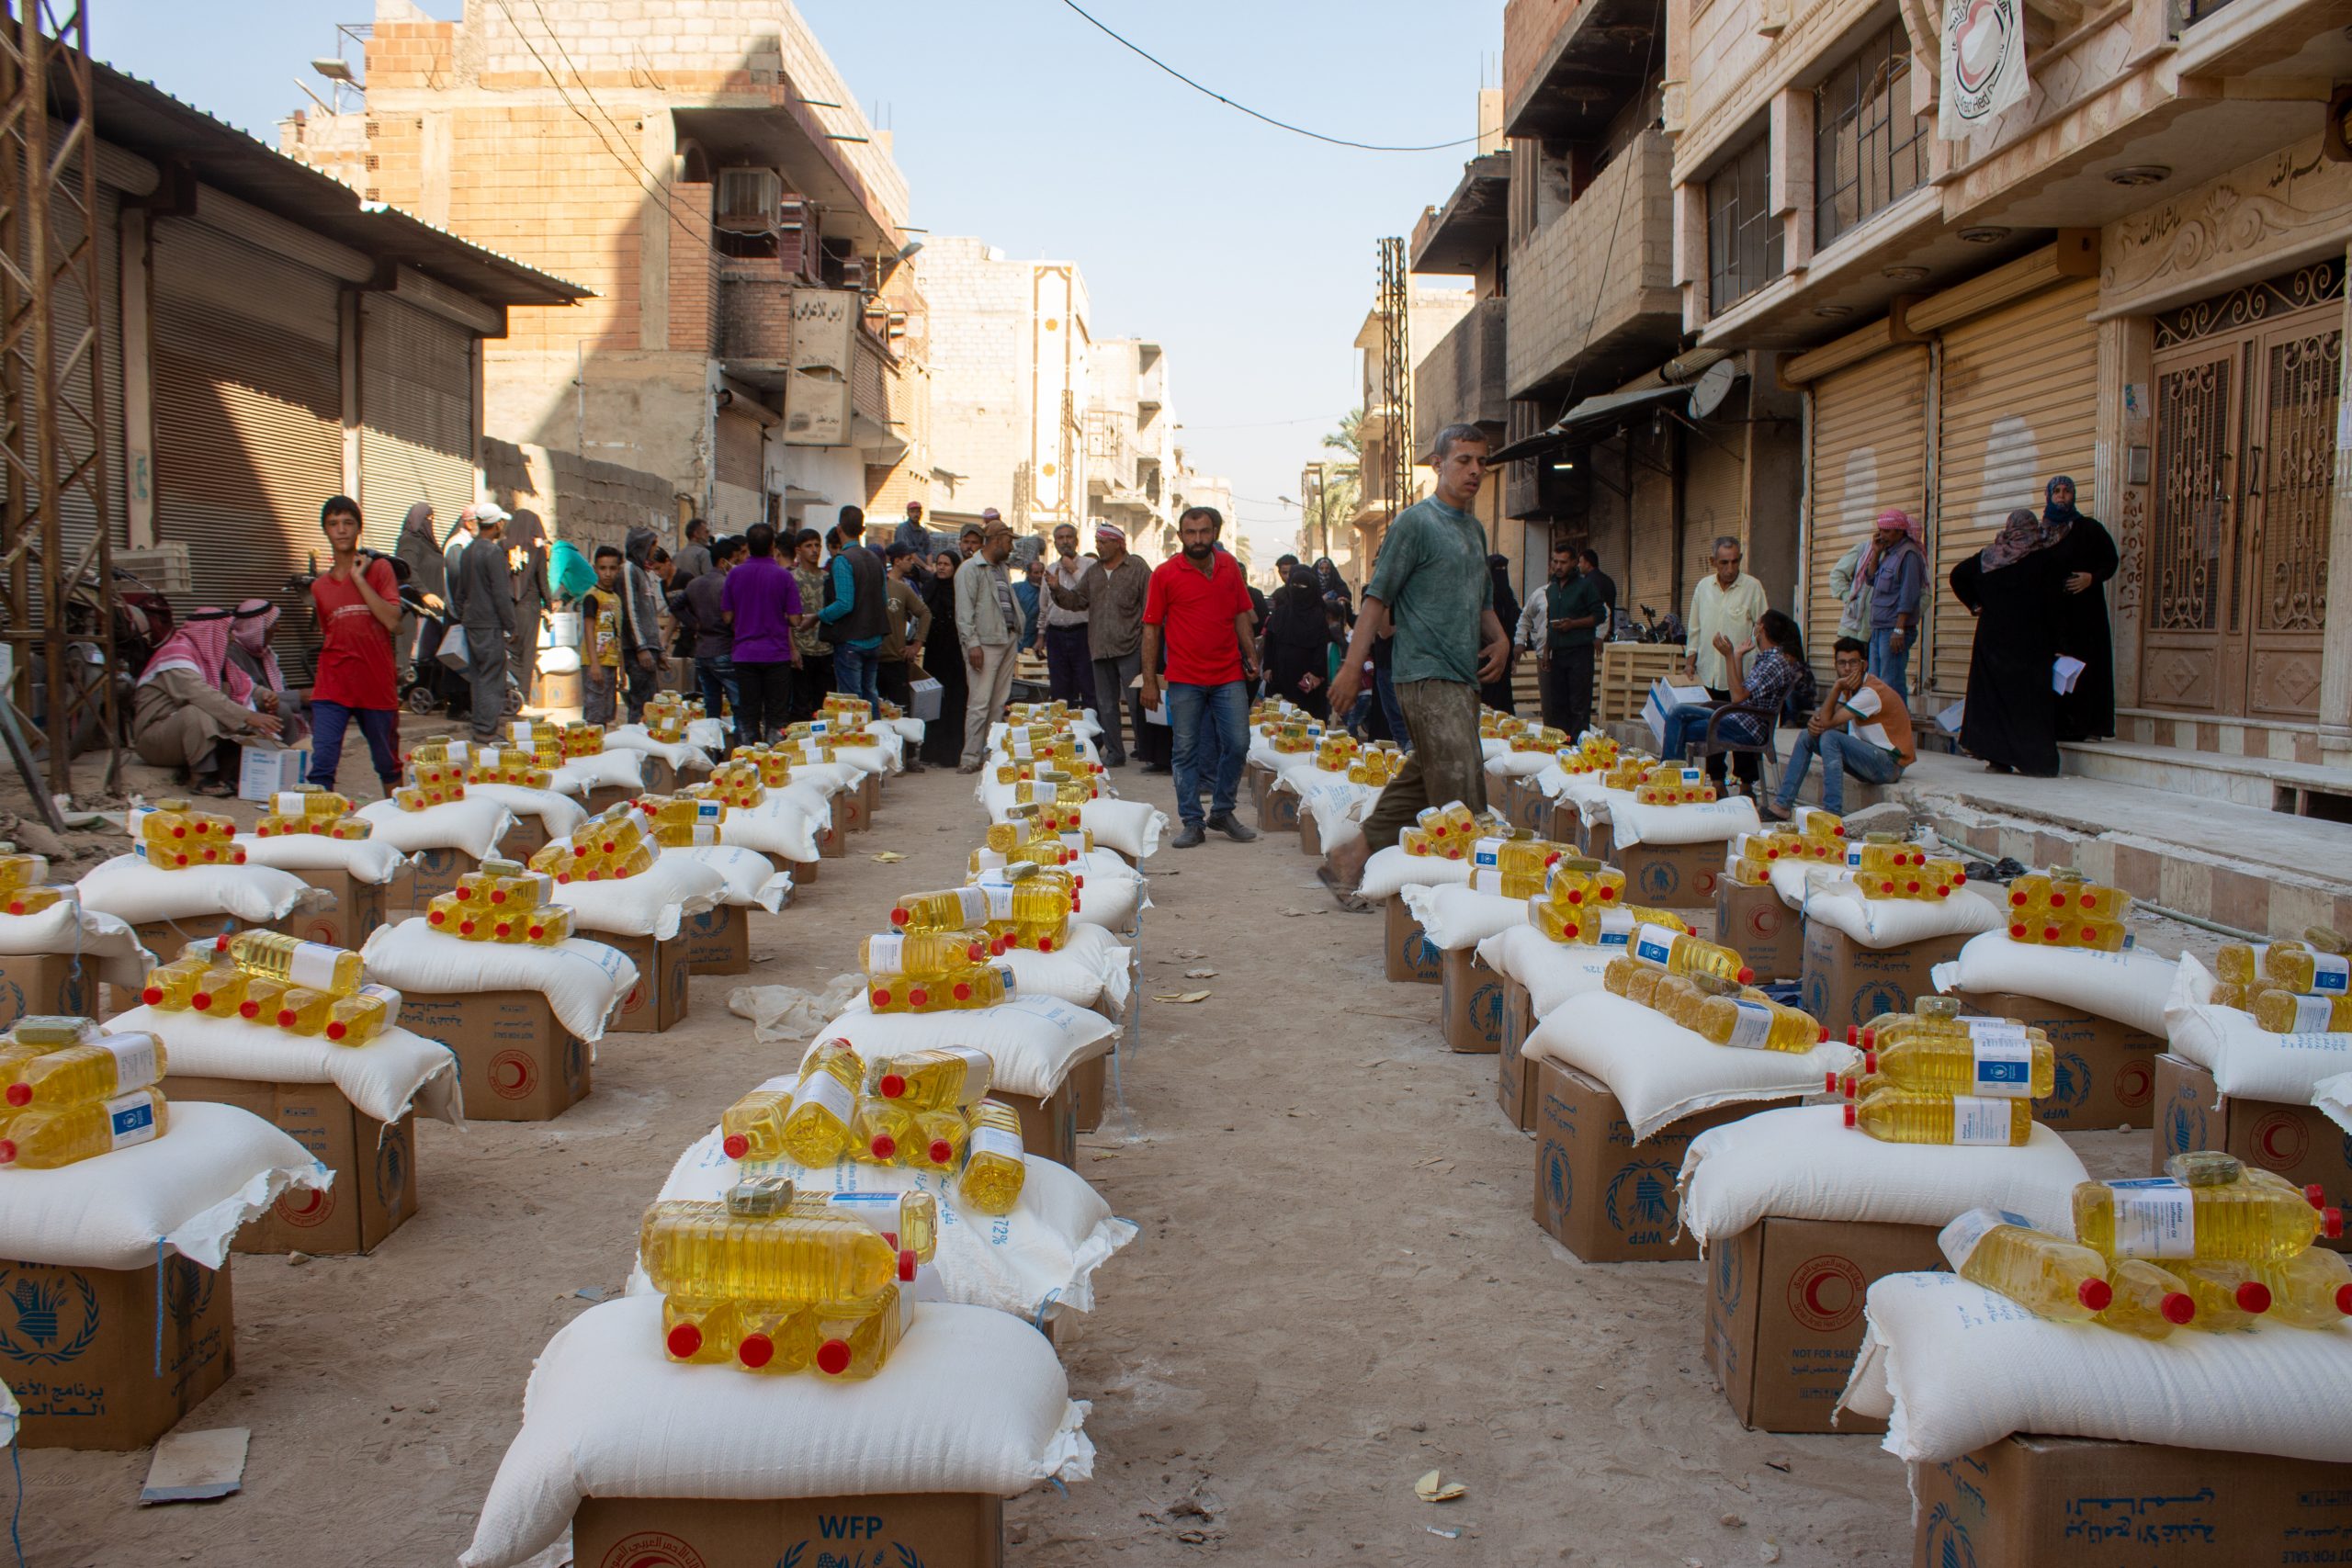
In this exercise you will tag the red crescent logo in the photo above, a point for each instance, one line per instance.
(2134, 1084)
(2281, 1140)
(303, 1208)
(512, 1075)
(651, 1549)
(324, 931)
(1806, 1293)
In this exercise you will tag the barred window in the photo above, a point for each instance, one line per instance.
(1742, 237)
(1869, 150)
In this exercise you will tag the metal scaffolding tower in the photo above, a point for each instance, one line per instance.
(1397, 373)
(56, 575)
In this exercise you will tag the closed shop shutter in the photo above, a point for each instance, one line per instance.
(1713, 499)
(248, 418)
(416, 417)
(1870, 452)
(2018, 403)
(739, 450)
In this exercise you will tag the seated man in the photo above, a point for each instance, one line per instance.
(1874, 744)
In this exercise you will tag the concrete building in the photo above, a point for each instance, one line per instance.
(2134, 276)
(1132, 459)
(1389, 425)
(754, 335)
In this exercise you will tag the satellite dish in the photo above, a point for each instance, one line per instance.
(1707, 394)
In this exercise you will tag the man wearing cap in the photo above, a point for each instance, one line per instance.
(969, 541)
(1110, 594)
(987, 621)
(481, 591)
(912, 532)
(1069, 668)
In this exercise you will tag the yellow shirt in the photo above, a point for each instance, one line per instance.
(603, 617)
(1732, 611)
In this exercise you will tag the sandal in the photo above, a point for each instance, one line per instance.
(216, 789)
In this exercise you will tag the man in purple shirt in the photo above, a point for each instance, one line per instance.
(761, 599)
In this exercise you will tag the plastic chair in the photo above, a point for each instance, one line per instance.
(1765, 718)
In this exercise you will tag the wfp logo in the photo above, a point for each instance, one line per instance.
(2070, 1086)
(1660, 877)
(1487, 1011)
(12, 1000)
(2184, 1121)
(1559, 1181)
(1874, 999)
(1817, 996)
(1641, 1196)
(1728, 1276)
(53, 1316)
(1947, 1541)
(706, 922)
(187, 1291)
(391, 1170)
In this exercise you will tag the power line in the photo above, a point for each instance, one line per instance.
(1245, 108)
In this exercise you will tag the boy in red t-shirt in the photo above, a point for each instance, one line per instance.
(358, 610)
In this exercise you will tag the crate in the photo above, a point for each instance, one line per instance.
(1627, 670)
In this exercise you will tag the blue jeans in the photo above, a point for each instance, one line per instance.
(1687, 724)
(381, 725)
(1391, 710)
(856, 670)
(1890, 666)
(1211, 725)
(717, 678)
(1840, 754)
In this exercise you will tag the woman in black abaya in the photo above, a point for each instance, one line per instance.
(2013, 586)
(1298, 645)
(2087, 558)
(943, 660)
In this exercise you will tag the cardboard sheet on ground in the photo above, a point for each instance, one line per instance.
(2131, 986)
(605, 1414)
(1660, 1070)
(2246, 1060)
(132, 890)
(383, 1079)
(582, 980)
(1034, 1041)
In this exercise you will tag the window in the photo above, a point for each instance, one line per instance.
(1869, 150)
(1742, 237)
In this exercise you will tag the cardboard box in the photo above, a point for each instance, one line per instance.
(658, 999)
(429, 874)
(1278, 811)
(851, 812)
(1515, 1077)
(603, 797)
(359, 908)
(525, 837)
(166, 937)
(1784, 1314)
(930, 1530)
(1767, 933)
(1048, 1126)
(832, 843)
(374, 1166)
(1602, 1196)
(1255, 777)
(1089, 1084)
(47, 983)
(564, 691)
(263, 770)
(1599, 842)
(660, 775)
(514, 1061)
(2107, 1070)
(1844, 982)
(1471, 1002)
(1559, 821)
(719, 941)
(1310, 835)
(869, 791)
(2029, 1501)
(1668, 877)
(2299, 1141)
(79, 1348)
(1411, 955)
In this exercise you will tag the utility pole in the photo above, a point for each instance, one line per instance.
(1397, 372)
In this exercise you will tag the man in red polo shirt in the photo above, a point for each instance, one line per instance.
(1197, 614)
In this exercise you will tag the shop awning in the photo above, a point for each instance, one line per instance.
(1587, 422)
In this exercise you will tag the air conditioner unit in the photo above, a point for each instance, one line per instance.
(750, 201)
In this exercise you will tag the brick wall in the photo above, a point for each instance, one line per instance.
(1529, 27)
(755, 313)
(580, 499)
(695, 271)
(1555, 275)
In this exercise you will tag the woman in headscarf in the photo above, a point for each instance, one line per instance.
(2014, 587)
(943, 660)
(1297, 654)
(2086, 557)
(250, 653)
(1328, 577)
(192, 707)
(526, 547)
(1496, 693)
(428, 573)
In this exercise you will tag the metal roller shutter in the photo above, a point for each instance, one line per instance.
(1870, 452)
(1713, 499)
(248, 417)
(739, 450)
(416, 417)
(2017, 404)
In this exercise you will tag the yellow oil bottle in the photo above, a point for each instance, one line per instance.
(753, 1128)
(448, 914)
(278, 957)
(2292, 1012)
(20, 871)
(172, 988)
(2246, 1221)
(817, 1127)
(2310, 1290)
(943, 1078)
(2047, 1276)
(304, 1011)
(356, 1019)
(1999, 1058)
(102, 1069)
(2149, 1303)
(1910, 1116)
(2227, 1294)
(550, 924)
(879, 1132)
(698, 1249)
(1678, 952)
(38, 1139)
(1758, 1026)
(2319, 967)
(33, 900)
(994, 1167)
(949, 909)
(220, 992)
(939, 1141)
(854, 1341)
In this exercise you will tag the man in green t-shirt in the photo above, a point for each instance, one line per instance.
(1431, 586)
(1571, 609)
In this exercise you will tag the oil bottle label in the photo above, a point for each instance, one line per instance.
(2003, 1058)
(1979, 1122)
(135, 1066)
(2155, 1217)
(2331, 976)
(980, 1067)
(1616, 928)
(1958, 1240)
(131, 1119)
(2313, 1015)
(1486, 853)
(996, 1141)
(886, 954)
(312, 963)
(1751, 1026)
(1654, 944)
(821, 1088)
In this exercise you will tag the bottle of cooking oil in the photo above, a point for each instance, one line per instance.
(1679, 953)
(2291, 1013)
(1633, 981)
(697, 1249)
(220, 992)
(943, 1078)
(102, 1069)
(939, 1141)
(551, 924)
(2227, 1294)
(2310, 1290)
(817, 1127)
(994, 1169)
(1815, 823)
(854, 1341)
(753, 1128)
(2041, 1273)
(1564, 922)
(304, 1011)
(33, 900)
(172, 988)
(2063, 890)
(1758, 1026)
(42, 1139)
(356, 1019)
(2149, 1303)
(2246, 1220)
(1028, 895)
(20, 871)
(1451, 826)
(1993, 1056)
(2317, 968)
(1894, 1115)
(1522, 857)
(2240, 963)
(924, 955)
(448, 914)
(949, 909)
(879, 1131)
(281, 957)
(982, 985)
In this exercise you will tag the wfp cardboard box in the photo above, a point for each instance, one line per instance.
(1048, 1125)
(869, 791)
(928, 1529)
(263, 770)
(514, 1061)
(719, 941)
(524, 836)
(1767, 933)
(2106, 1070)
(1310, 835)
(1602, 1195)
(428, 874)
(1090, 1082)
(359, 908)
(1844, 982)
(853, 811)
(1411, 955)
(49, 983)
(1784, 1314)
(660, 775)
(1559, 821)
(2027, 1501)
(658, 999)
(1598, 841)
(832, 841)
(375, 1165)
(564, 691)
(1255, 777)
(603, 797)
(1278, 811)
(2299, 1141)
(1670, 876)
(1471, 1002)
(1515, 1080)
(80, 1348)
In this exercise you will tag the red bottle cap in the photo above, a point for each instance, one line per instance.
(881, 998)
(2178, 1309)
(906, 1265)
(2330, 1223)
(1044, 944)
(1959, 876)
(151, 995)
(9, 1156)
(756, 1350)
(20, 1094)
(285, 1018)
(2050, 933)
(337, 1029)
(1850, 1120)
(1747, 976)
(1576, 895)
(892, 1085)
(1829, 1083)
(2017, 932)
(884, 1147)
(1870, 1061)
(736, 1145)
(1825, 1034)
(2253, 1296)
(2017, 900)
(2343, 1299)
(201, 1001)
(2095, 1295)
(962, 991)
(2317, 1195)
(464, 894)
(898, 917)
(684, 1340)
(832, 1357)
(940, 1151)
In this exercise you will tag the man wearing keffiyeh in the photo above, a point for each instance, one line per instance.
(192, 706)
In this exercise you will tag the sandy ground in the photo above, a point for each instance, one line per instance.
(1338, 1287)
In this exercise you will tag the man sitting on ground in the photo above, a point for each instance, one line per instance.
(1874, 744)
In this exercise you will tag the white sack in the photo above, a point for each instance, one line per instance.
(383, 1077)
(829, 779)
(1032, 1042)
(1552, 971)
(908, 730)
(752, 879)
(636, 738)
(583, 981)
(215, 1168)
(1038, 1260)
(1461, 917)
(1082, 724)
(1660, 1070)
(370, 862)
(777, 826)
(1131, 827)
(1952, 1366)
(971, 1401)
(881, 757)
(1702, 822)
(474, 824)
(1513, 765)
(2246, 1060)
(709, 735)
(2333, 1096)
(2130, 987)
(581, 775)
(106, 943)
(1391, 871)
(132, 890)
(1092, 969)
(652, 903)
(1804, 1163)
(1112, 893)
(559, 813)
(558, 662)
(1894, 922)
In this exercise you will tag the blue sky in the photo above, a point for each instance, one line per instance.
(1247, 252)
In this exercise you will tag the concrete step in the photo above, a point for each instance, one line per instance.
(2263, 783)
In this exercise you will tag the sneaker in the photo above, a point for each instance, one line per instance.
(1190, 837)
(967, 767)
(1233, 827)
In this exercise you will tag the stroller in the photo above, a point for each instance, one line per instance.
(434, 686)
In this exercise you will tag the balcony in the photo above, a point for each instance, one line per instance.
(754, 313)
(1605, 312)
(1570, 65)
(1151, 378)
(1462, 235)
(1461, 380)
